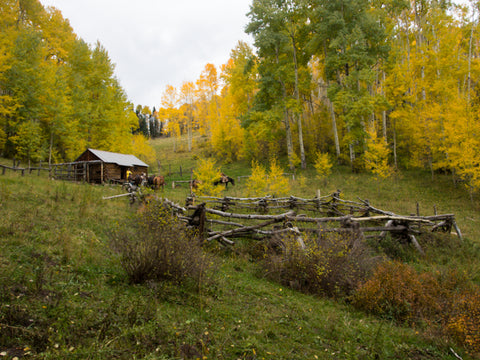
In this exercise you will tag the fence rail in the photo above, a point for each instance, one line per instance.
(24, 170)
(258, 218)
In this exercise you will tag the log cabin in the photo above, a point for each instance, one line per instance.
(98, 166)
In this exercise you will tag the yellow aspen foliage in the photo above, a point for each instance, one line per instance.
(323, 166)
(142, 149)
(376, 156)
(261, 183)
(28, 141)
(207, 99)
(227, 132)
(3, 138)
(207, 173)
(462, 145)
(278, 184)
(7, 39)
(257, 182)
(171, 114)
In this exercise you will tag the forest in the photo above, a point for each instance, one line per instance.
(380, 86)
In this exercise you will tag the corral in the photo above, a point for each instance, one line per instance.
(224, 219)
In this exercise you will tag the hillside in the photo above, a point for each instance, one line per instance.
(64, 293)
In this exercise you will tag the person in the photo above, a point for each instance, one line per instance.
(129, 175)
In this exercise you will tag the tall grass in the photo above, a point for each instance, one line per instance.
(64, 293)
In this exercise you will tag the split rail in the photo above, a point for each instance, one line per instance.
(224, 219)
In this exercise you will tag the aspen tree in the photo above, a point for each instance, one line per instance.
(187, 97)
(170, 103)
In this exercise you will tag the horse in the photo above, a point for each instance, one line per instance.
(156, 181)
(194, 184)
(139, 180)
(224, 179)
(134, 182)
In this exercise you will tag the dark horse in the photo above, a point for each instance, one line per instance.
(224, 179)
(134, 182)
(139, 180)
(156, 181)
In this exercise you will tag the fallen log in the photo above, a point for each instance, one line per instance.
(416, 244)
(457, 229)
(116, 196)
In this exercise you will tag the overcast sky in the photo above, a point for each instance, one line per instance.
(154, 43)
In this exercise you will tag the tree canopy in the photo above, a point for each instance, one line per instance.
(58, 95)
(379, 85)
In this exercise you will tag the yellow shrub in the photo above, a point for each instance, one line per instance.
(323, 166)
(274, 183)
(376, 156)
(206, 173)
(464, 323)
(257, 182)
(278, 184)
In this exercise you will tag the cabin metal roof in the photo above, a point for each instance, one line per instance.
(117, 158)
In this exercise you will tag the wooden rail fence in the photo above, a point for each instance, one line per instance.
(62, 171)
(224, 219)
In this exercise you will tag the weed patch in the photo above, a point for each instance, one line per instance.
(153, 245)
(328, 264)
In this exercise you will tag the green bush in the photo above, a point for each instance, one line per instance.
(154, 245)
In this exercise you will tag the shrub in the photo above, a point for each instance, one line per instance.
(156, 246)
(273, 183)
(207, 173)
(328, 264)
(396, 291)
(464, 322)
(277, 183)
(446, 299)
(323, 166)
(257, 183)
(376, 156)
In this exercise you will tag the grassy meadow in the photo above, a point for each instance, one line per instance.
(65, 295)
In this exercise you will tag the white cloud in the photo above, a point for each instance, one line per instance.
(155, 43)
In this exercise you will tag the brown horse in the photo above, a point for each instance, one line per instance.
(156, 181)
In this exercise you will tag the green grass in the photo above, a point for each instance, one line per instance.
(63, 293)
(400, 194)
